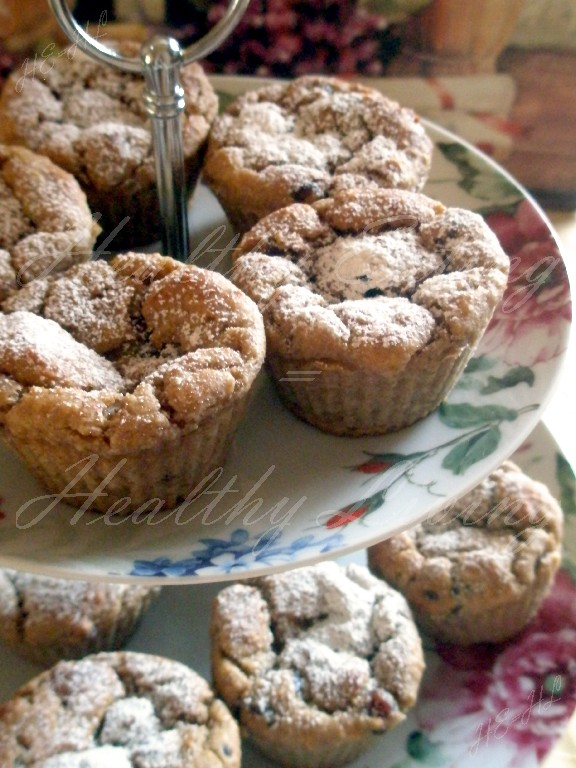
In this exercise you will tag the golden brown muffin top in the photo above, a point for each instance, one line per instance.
(317, 642)
(120, 709)
(315, 128)
(128, 350)
(501, 538)
(370, 277)
(91, 119)
(45, 223)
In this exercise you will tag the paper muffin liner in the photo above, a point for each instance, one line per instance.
(134, 605)
(362, 403)
(67, 641)
(132, 211)
(149, 480)
(327, 747)
(492, 625)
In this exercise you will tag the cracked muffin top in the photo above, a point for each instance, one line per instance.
(91, 119)
(505, 528)
(315, 645)
(369, 278)
(123, 709)
(129, 351)
(45, 222)
(296, 142)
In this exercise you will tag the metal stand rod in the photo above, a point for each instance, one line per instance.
(160, 61)
(164, 100)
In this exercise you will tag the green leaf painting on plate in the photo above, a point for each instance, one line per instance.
(464, 415)
(475, 448)
(479, 435)
(478, 179)
(422, 751)
(519, 375)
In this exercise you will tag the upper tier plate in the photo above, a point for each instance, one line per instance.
(289, 494)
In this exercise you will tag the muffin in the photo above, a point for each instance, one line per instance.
(45, 222)
(122, 383)
(298, 141)
(118, 709)
(315, 663)
(373, 302)
(46, 619)
(91, 120)
(478, 571)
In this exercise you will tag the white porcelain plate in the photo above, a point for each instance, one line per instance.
(289, 494)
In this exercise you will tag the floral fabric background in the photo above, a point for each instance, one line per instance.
(502, 706)
(281, 38)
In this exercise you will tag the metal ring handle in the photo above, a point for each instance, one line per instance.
(105, 55)
(159, 62)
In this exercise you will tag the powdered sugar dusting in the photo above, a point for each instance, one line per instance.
(389, 264)
(374, 276)
(500, 518)
(7, 275)
(326, 124)
(91, 118)
(114, 707)
(93, 306)
(129, 721)
(45, 223)
(14, 224)
(478, 570)
(102, 757)
(330, 679)
(47, 619)
(327, 592)
(37, 351)
(167, 344)
(112, 152)
(335, 631)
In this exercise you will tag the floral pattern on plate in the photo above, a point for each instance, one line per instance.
(234, 554)
(536, 302)
(501, 705)
(480, 434)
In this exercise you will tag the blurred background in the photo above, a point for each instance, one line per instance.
(517, 103)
